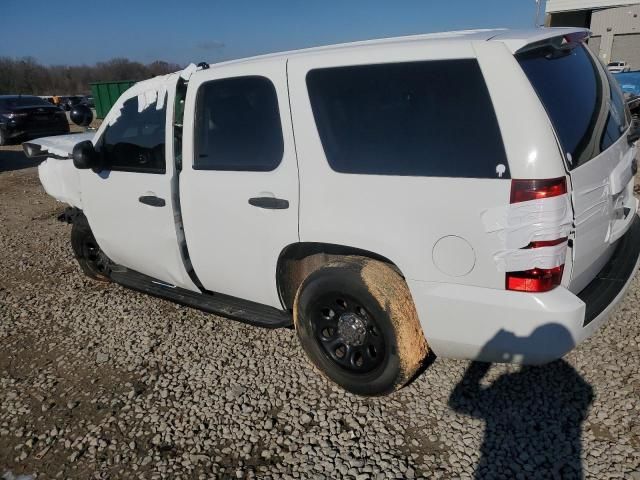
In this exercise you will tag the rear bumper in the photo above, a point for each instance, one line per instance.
(613, 279)
(502, 326)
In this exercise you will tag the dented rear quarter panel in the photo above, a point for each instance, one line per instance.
(399, 217)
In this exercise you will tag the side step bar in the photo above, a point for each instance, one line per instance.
(216, 303)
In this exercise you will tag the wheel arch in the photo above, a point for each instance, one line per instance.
(298, 260)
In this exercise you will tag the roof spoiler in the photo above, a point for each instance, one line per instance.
(520, 40)
(564, 42)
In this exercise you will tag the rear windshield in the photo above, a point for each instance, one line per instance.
(24, 101)
(584, 103)
(431, 118)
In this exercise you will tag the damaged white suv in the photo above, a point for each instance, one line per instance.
(469, 194)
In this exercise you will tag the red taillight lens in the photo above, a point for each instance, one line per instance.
(536, 280)
(546, 243)
(524, 190)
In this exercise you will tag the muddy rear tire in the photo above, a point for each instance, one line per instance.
(357, 323)
(87, 252)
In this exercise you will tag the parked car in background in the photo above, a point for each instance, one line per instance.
(629, 82)
(26, 116)
(69, 102)
(410, 211)
(618, 67)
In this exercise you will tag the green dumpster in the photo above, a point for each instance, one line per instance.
(105, 94)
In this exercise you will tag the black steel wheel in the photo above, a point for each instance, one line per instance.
(356, 322)
(347, 333)
(92, 260)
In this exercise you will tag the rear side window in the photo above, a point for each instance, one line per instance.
(587, 111)
(617, 121)
(238, 125)
(432, 118)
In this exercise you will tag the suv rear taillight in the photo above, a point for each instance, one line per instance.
(537, 279)
(525, 190)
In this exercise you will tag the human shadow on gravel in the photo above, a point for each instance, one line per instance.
(16, 160)
(533, 417)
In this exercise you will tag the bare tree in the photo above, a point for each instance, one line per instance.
(27, 76)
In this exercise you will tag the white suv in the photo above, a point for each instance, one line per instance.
(618, 67)
(469, 194)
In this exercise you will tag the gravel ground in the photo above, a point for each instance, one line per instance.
(97, 381)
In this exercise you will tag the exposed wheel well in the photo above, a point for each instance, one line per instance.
(298, 260)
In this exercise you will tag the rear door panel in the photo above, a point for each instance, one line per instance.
(233, 244)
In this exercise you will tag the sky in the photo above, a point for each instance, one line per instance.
(75, 32)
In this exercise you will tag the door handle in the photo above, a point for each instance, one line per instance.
(270, 203)
(152, 200)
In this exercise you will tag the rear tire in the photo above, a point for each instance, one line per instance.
(357, 323)
(92, 260)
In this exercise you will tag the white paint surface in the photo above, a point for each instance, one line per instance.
(138, 236)
(62, 145)
(454, 256)
(234, 246)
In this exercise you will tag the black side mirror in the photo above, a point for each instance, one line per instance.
(85, 156)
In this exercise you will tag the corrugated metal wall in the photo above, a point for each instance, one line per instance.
(627, 48)
(616, 30)
(567, 5)
(620, 20)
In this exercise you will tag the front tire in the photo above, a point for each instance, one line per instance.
(92, 260)
(357, 323)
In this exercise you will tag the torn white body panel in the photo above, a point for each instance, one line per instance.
(149, 92)
(530, 258)
(60, 180)
(603, 200)
(517, 225)
(62, 145)
(57, 174)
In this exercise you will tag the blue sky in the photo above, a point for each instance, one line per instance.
(182, 31)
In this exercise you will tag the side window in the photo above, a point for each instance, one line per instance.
(428, 118)
(617, 119)
(136, 141)
(237, 126)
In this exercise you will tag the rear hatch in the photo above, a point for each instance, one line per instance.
(587, 109)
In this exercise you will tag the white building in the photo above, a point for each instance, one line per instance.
(615, 25)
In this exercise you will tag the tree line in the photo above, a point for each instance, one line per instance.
(27, 76)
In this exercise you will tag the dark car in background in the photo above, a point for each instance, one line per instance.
(67, 103)
(27, 116)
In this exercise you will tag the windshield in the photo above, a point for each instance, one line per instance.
(22, 101)
(584, 103)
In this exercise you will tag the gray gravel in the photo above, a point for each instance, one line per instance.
(97, 381)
